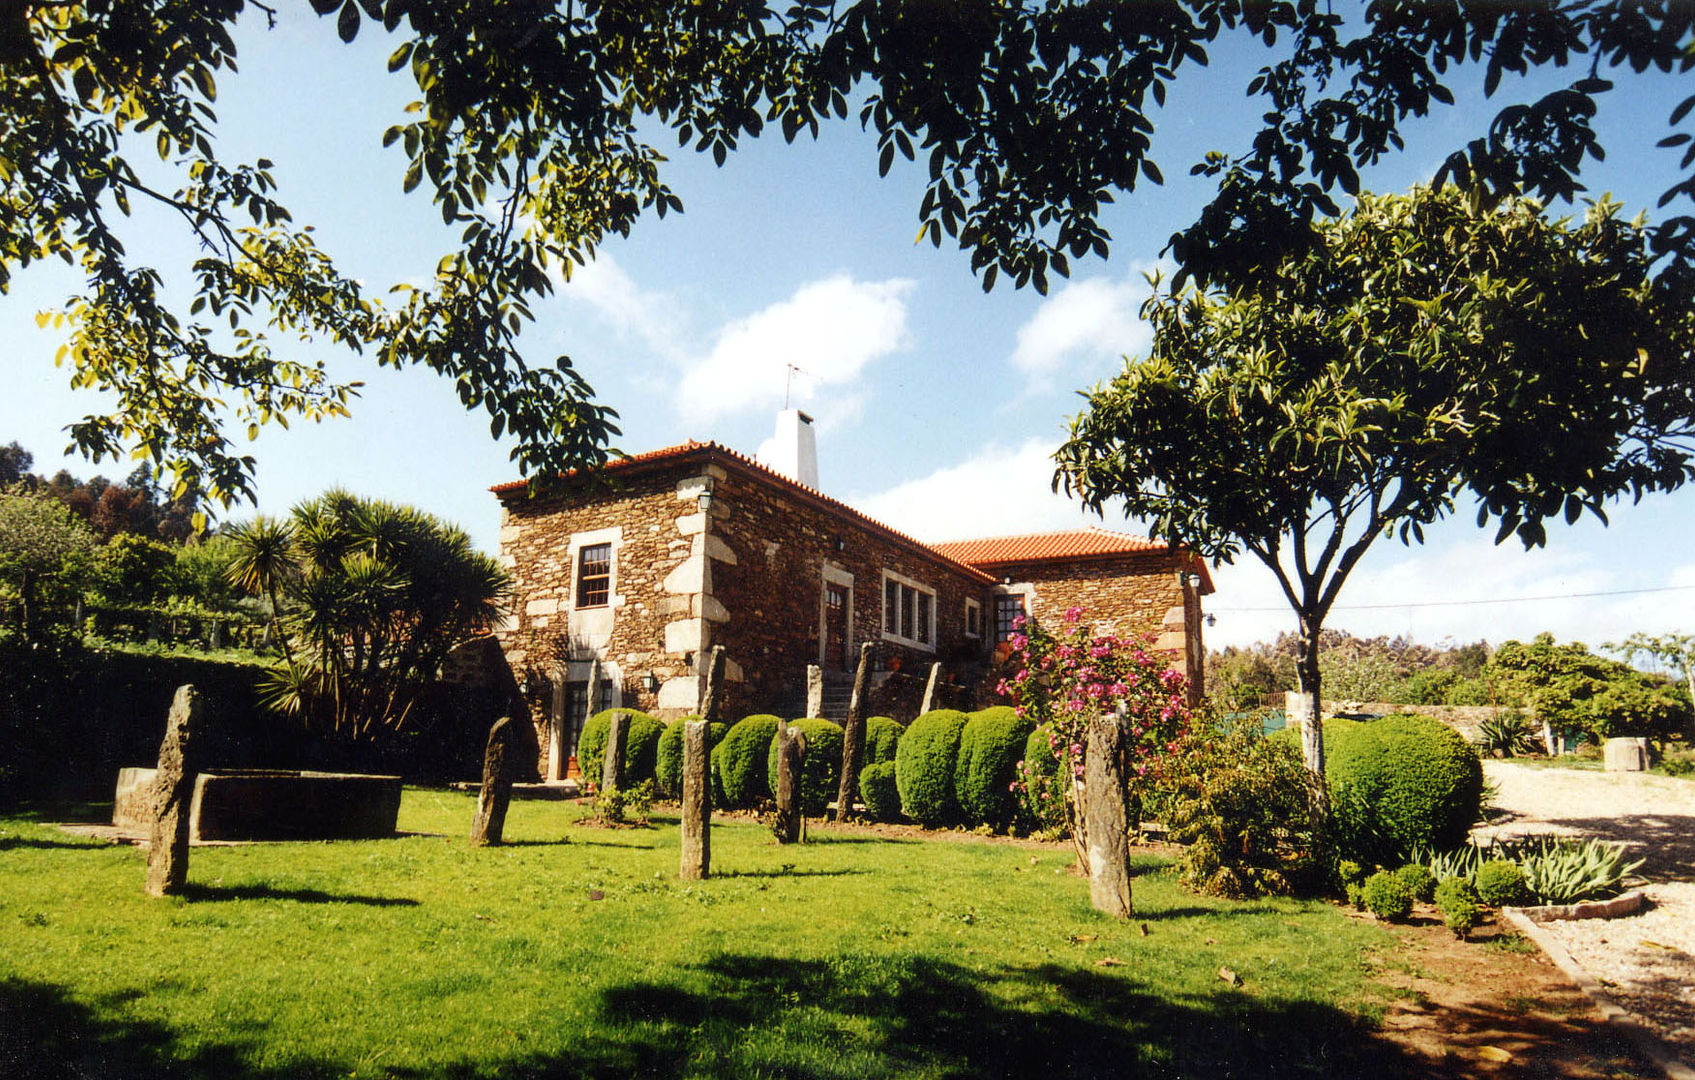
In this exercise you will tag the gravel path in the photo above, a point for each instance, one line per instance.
(1645, 961)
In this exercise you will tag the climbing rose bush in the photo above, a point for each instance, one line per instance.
(1064, 679)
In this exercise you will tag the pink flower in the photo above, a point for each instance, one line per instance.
(1072, 614)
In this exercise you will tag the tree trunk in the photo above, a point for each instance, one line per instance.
(1076, 805)
(1312, 731)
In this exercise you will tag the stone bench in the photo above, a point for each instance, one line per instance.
(271, 804)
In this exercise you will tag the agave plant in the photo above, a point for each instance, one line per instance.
(1563, 870)
(1462, 862)
(1507, 734)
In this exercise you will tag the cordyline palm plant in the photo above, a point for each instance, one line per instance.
(378, 596)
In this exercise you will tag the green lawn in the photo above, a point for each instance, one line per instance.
(851, 956)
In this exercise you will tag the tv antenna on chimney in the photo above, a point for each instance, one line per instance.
(788, 379)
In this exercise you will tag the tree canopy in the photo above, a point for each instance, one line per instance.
(529, 135)
(1420, 348)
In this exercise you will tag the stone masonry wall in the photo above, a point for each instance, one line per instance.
(1125, 595)
(785, 545)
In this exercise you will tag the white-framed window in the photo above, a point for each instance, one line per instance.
(909, 611)
(593, 566)
(973, 619)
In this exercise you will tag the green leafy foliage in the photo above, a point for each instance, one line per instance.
(1399, 785)
(1573, 688)
(1352, 390)
(1417, 877)
(878, 791)
(820, 770)
(739, 760)
(629, 804)
(1387, 896)
(1241, 805)
(924, 766)
(1042, 786)
(1567, 871)
(882, 736)
(668, 756)
(1460, 904)
(1508, 734)
(641, 746)
(46, 557)
(1501, 882)
(990, 747)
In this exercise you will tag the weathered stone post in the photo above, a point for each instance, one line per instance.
(853, 735)
(591, 702)
(791, 754)
(930, 689)
(173, 795)
(697, 802)
(557, 758)
(496, 795)
(814, 690)
(612, 767)
(1107, 794)
(711, 697)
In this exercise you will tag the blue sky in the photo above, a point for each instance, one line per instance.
(937, 404)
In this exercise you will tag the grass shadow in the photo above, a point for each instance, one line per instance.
(201, 893)
(7, 843)
(787, 873)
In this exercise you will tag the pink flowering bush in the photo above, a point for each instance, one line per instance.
(1061, 680)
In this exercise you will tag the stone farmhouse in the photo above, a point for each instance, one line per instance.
(698, 545)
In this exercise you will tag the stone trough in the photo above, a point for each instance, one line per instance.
(271, 804)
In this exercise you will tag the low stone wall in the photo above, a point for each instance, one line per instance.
(1464, 719)
(279, 804)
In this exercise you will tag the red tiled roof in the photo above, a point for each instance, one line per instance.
(1057, 546)
(763, 472)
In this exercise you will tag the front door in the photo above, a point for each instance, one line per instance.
(836, 627)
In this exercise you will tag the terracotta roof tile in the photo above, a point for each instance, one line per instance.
(1087, 543)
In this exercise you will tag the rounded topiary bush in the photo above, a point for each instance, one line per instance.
(668, 759)
(739, 760)
(878, 791)
(641, 746)
(882, 735)
(820, 770)
(924, 766)
(1387, 896)
(1399, 785)
(1038, 752)
(1501, 882)
(1461, 906)
(1417, 877)
(991, 745)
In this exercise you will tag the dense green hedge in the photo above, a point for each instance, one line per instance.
(991, 744)
(641, 746)
(882, 736)
(878, 791)
(1400, 785)
(924, 766)
(738, 762)
(820, 771)
(1038, 752)
(668, 762)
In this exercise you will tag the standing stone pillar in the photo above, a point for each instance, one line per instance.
(814, 690)
(791, 754)
(173, 795)
(496, 795)
(853, 735)
(929, 701)
(711, 697)
(558, 760)
(612, 767)
(592, 703)
(697, 802)
(1107, 811)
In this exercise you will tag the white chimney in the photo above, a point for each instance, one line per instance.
(793, 450)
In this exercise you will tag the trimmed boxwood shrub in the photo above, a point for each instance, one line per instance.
(924, 766)
(877, 790)
(882, 735)
(668, 761)
(1399, 785)
(1501, 882)
(1387, 896)
(641, 746)
(1038, 752)
(739, 760)
(821, 771)
(990, 747)
(1417, 877)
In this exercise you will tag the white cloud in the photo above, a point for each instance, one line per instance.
(1091, 320)
(1002, 491)
(831, 329)
(654, 318)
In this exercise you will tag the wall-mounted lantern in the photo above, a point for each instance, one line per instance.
(650, 683)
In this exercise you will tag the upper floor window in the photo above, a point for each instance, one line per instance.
(1009, 608)
(909, 611)
(594, 575)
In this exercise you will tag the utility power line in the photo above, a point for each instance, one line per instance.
(1468, 603)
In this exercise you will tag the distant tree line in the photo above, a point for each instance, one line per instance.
(137, 505)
